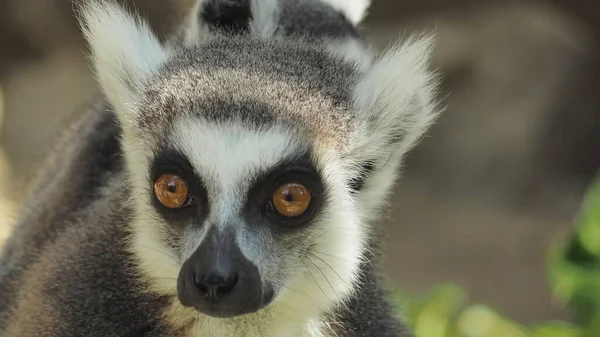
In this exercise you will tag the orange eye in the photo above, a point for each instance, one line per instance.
(171, 191)
(291, 200)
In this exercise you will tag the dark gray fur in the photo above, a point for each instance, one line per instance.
(67, 269)
(315, 20)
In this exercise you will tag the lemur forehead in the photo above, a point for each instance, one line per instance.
(260, 82)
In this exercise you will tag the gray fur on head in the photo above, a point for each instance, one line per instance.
(278, 91)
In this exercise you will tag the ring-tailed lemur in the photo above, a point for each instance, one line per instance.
(229, 183)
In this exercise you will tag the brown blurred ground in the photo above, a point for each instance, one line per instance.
(495, 180)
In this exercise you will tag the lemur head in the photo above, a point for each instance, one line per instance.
(256, 163)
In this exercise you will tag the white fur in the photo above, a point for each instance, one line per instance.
(351, 50)
(354, 10)
(226, 156)
(125, 52)
(264, 17)
(396, 96)
(194, 31)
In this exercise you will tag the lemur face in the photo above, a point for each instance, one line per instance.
(248, 214)
(256, 163)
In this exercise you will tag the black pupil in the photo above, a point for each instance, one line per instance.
(289, 197)
(172, 187)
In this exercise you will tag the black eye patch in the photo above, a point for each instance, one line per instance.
(259, 208)
(169, 161)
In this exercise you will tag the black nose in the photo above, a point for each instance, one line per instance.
(216, 285)
(218, 280)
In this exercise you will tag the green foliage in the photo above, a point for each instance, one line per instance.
(574, 273)
(574, 265)
(445, 312)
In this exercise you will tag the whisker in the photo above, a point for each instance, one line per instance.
(315, 279)
(161, 252)
(301, 293)
(325, 276)
(329, 255)
(328, 265)
(197, 325)
(237, 327)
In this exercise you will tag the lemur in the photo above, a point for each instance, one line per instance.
(229, 182)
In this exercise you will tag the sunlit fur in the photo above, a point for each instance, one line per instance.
(354, 10)
(392, 105)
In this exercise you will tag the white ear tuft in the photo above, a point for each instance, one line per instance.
(354, 10)
(264, 17)
(395, 100)
(193, 31)
(125, 52)
(351, 50)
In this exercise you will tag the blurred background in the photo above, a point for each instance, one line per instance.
(500, 176)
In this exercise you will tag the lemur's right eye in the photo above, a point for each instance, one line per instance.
(171, 191)
(291, 199)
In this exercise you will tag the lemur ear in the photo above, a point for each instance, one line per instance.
(395, 102)
(192, 30)
(354, 10)
(124, 52)
(264, 17)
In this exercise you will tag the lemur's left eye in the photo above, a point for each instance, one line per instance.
(291, 199)
(171, 191)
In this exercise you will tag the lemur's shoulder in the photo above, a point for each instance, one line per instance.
(85, 289)
(67, 268)
(85, 154)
